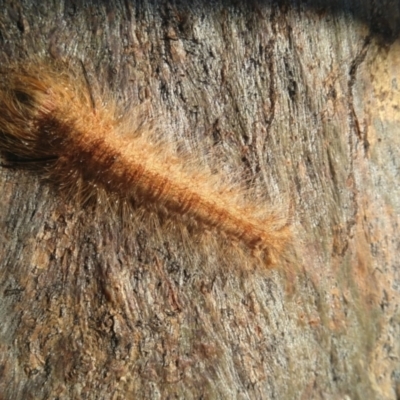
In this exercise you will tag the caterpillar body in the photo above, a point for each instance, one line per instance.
(47, 117)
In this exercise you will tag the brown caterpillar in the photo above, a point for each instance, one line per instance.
(48, 118)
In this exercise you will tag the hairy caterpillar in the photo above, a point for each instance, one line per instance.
(48, 120)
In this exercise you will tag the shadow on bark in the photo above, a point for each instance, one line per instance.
(382, 18)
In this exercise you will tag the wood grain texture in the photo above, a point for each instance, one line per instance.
(301, 99)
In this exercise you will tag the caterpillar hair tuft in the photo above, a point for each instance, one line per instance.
(48, 121)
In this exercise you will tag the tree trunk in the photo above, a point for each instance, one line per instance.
(304, 99)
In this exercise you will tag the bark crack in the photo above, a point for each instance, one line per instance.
(361, 136)
(354, 66)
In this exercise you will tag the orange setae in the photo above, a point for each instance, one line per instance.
(47, 117)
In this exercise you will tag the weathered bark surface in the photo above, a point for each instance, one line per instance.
(306, 99)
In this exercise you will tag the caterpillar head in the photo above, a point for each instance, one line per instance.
(30, 97)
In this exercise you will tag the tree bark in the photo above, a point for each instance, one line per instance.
(303, 98)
